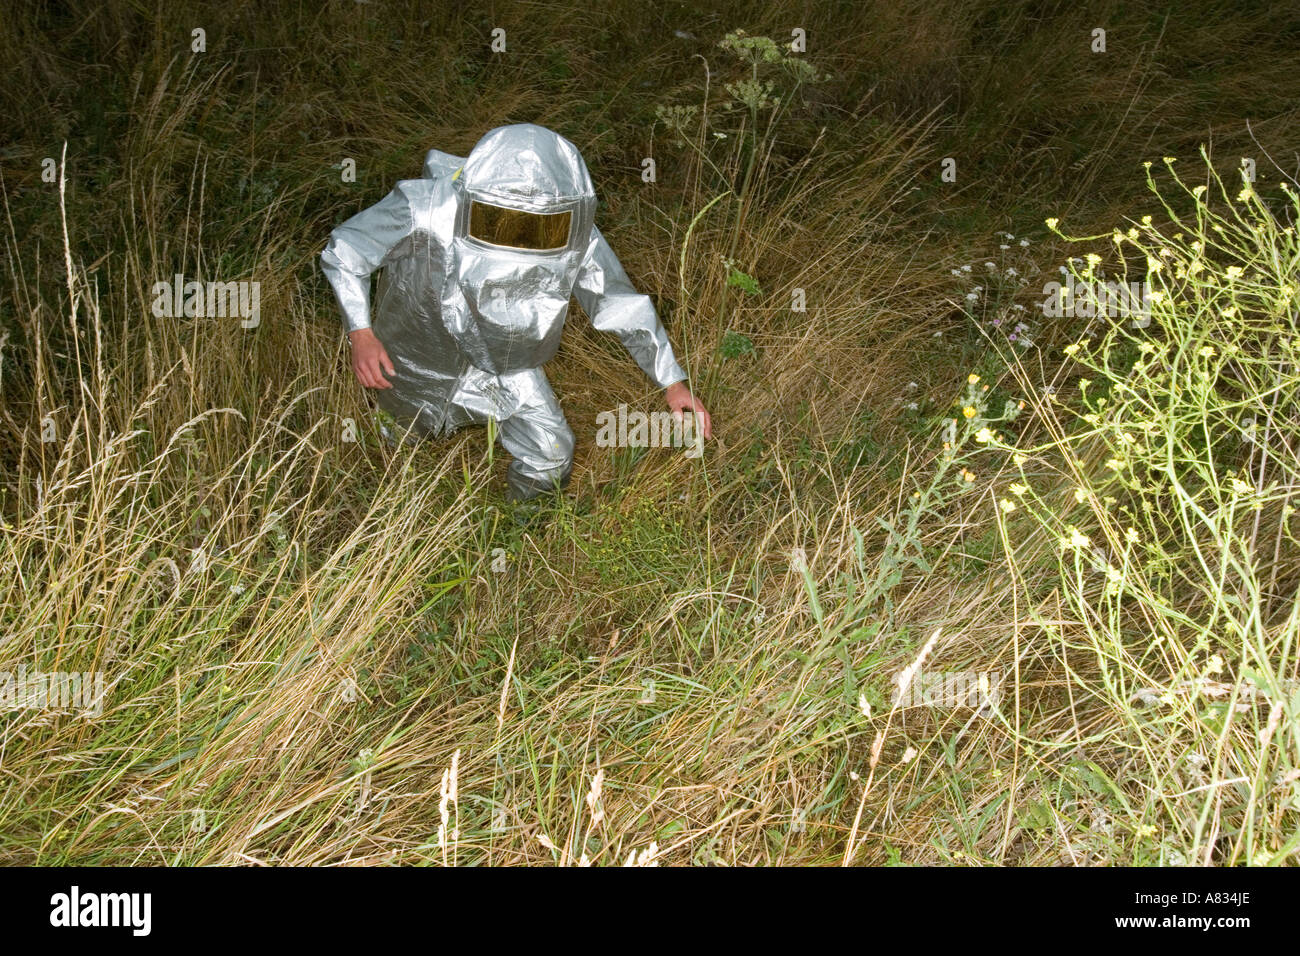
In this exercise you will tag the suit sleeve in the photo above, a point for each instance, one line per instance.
(607, 295)
(360, 246)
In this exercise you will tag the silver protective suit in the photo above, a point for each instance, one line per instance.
(468, 324)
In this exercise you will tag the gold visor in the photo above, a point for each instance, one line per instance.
(516, 229)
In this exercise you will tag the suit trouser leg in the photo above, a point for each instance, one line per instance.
(540, 441)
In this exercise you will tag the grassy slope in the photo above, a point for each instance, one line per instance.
(299, 695)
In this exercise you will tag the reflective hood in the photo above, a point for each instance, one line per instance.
(525, 206)
(527, 167)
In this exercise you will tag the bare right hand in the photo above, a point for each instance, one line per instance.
(370, 359)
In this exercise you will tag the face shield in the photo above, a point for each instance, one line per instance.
(519, 229)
